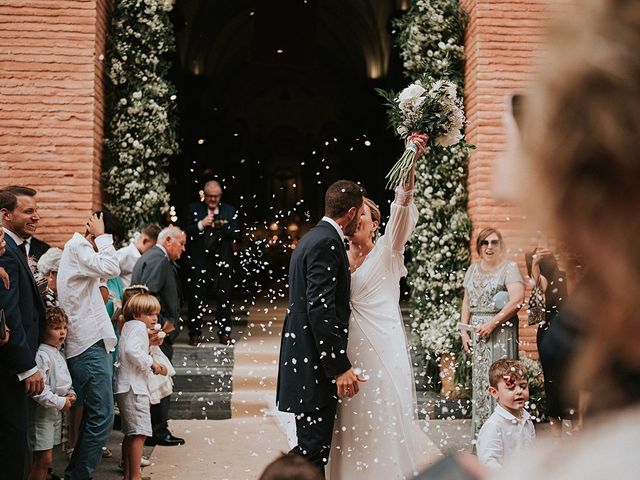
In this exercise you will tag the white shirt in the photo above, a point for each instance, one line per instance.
(19, 241)
(502, 435)
(79, 273)
(134, 360)
(127, 258)
(334, 225)
(53, 397)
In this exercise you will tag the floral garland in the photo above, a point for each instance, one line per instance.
(143, 126)
(431, 38)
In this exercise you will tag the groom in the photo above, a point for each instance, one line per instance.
(314, 369)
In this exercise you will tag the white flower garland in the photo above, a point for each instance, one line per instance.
(142, 131)
(431, 40)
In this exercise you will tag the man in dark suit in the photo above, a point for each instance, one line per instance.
(212, 228)
(36, 248)
(24, 312)
(314, 369)
(157, 270)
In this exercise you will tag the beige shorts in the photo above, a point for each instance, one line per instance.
(134, 413)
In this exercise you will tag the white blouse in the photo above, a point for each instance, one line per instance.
(49, 358)
(134, 360)
(79, 274)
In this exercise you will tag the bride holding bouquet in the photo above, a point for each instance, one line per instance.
(375, 433)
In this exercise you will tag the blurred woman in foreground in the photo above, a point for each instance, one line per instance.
(580, 151)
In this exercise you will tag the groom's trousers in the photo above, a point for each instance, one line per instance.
(315, 430)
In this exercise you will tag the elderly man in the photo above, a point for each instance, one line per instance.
(157, 270)
(24, 312)
(212, 227)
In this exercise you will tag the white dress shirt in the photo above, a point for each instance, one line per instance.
(502, 435)
(19, 241)
(333, 223)
(81, 268)
(48, 357)
(127, 257)
(134, 360)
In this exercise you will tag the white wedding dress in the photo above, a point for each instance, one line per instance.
(375, 433)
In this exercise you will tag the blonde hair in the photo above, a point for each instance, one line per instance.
(506, 367)
(580, 144)
(375, 216)
(140, 304)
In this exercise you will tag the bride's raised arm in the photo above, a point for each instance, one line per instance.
(404, 214)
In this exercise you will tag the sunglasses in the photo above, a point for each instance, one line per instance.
(485, 243)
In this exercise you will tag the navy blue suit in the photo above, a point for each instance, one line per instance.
(24, 312)
(314, 339)
(210, 262)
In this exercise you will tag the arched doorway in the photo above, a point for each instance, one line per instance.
(277, 100)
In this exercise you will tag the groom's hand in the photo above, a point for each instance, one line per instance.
(347, 383)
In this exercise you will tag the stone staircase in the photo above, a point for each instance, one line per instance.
(203, 381)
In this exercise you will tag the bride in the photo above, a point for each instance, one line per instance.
(375, 431)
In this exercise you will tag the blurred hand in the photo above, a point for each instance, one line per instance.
(69, 402)
(34, 385)
(540, 254)
(419, 140)
(5, 340)
(4, 276)
(486, 329)
(466, 342)
(155, 339)
(157, 368)
(347, 383)
(96, 225)
(207, 221)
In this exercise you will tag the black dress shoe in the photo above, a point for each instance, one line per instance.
(168, 441)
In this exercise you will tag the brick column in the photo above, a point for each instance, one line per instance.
(52, 106)
(502, 42)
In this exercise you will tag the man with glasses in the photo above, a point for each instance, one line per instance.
(212, 228)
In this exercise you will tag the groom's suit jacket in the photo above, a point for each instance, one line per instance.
(313, 347)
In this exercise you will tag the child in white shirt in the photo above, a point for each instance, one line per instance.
(45, 409)
(132, 393)
(509, 428)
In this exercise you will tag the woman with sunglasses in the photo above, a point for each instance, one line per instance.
(493, 316)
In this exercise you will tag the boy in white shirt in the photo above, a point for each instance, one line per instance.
(45, 410)
(509, 428)
(132, 392)
(90, 339)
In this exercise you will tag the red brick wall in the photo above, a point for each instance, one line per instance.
(51, 107)
(502, 42)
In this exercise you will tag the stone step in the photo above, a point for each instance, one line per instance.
(204, 355)
(201, 406)
(206, 379)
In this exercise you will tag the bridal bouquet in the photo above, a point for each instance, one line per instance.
(426, 106)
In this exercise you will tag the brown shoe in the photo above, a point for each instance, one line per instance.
(194, 340)
(225, 339)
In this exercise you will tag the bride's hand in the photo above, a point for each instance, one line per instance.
(420, 141)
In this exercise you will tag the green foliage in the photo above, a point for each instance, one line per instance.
(431, 41)
(537, 405)
(143, 127)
